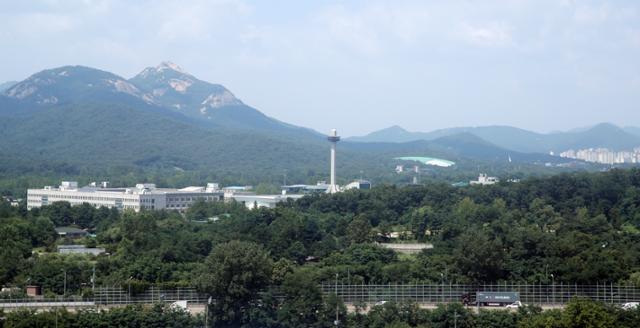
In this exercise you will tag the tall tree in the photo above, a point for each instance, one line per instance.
(233, 275)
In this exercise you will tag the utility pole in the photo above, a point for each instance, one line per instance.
(206, 312)
(455, 319)
(93, 280)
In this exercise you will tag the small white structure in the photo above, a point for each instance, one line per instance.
(483, 179)
(333, 139)
(79, 249)
(180, 305)
(407, 248)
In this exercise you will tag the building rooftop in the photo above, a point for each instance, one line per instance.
(141, 188)
(67, 230)
(428, 160)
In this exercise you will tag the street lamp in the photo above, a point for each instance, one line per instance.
(442, 286)
(129, 283)
(553, 289)
(337, 321)
(206, 312)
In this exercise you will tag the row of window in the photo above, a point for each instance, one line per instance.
(76, 197)
(189, 199)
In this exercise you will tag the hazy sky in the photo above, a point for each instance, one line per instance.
(359, 65)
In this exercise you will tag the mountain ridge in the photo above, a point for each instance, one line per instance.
(164, 86)
(6, 85)
(80, 117)
(605, 135)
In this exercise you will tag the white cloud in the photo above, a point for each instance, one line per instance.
(491, 34)
(199, 20)
(266, 51)
(38, 23)
(591, 15)
(374, 27)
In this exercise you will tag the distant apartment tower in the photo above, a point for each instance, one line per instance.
(142, 196)
(604, 156)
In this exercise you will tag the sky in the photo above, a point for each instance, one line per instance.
(359, 66)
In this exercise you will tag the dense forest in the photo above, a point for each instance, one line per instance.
(582, 228)
(577, 314)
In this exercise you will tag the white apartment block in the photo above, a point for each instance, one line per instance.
(142, 196)
(604, 155)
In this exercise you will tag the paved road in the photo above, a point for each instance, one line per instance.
(351, 308)
(197, 308)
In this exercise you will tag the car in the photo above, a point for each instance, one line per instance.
(630, 305)
(379, 303)
(514, 305)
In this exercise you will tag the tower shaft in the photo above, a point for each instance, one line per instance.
(333, 139)
(333, 166)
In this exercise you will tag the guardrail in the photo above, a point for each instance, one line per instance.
(45, 303)
(118, 295)
(555, 294)
(444, 293)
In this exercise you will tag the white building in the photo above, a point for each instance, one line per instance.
(483, 179)
(358, 184)
(320, 187)
(604, 155)
(258, 201)
(79, 249)
(142, 196)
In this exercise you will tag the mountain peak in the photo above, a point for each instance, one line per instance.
(69, 83)
(605, 126)
(170, 65)
(170, 86)
(395, 128)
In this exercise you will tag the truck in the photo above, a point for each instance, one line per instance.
(497, 298)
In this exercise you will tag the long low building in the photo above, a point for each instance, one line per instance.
(252, 201)
(142, 196)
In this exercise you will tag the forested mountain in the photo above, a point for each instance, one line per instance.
(602, 135)
(633, 130)
(76, 119)
(117, 134)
